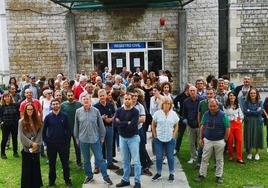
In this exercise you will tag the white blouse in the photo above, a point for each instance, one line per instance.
(233, 114)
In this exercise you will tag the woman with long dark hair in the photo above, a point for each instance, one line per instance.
(30, 134)
(253, 123)
(235, 117)
(13, 80)
(9, 116)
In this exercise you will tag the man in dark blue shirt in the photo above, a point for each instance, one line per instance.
(56, 135)
(127, 119)
(190, 113)
(107, 112)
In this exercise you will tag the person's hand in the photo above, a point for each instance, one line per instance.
(201, 143)
(102, 141)
(117, 120)
(103, 116)
(78, 142)
(34, 146)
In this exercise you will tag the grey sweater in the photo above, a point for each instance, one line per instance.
(88, 126)
(27, 139)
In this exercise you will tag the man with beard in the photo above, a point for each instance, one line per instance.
(69, 107)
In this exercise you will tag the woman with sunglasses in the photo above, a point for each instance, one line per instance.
(30, 134)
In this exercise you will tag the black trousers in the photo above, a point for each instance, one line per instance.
(144, 157)
(182, 129)
(63, 151)
(30, 170)
(77, 150)
(8, 128)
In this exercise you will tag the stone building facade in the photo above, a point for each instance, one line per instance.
(249, 41)
(39, 38)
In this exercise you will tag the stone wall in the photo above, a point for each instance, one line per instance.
(202, 38)
(249, 41)
(36, 37)
(127, 25)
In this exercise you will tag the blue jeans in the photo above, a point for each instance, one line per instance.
(167, 148)
(97, 151)
(129, 148)
(107, 147)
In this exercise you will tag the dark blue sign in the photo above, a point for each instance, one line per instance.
(127, 45)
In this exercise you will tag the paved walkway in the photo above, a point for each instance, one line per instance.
(146, 182)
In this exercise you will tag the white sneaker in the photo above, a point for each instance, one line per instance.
(257, 157)
(249, 157)
(165, 160)
(191, 161)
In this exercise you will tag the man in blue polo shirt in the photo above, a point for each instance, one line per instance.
(107, 112)
(214, 132)
(56, 135)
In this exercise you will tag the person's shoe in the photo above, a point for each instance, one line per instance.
(150, 163)
(147, 172)
(137, 185)
(115, 161)
(16, 155)
(96, 170)
(7, 147)
(219, 180)
(257, 157)
(197, 167)
(191, 161)
(249, 157)
(69, 183)
(171, 177)
(88, 180)
(50, 184)
(3, 156)
(112, 167)
(108, 180)
(200, 178)
(240, 161)
(80, 166)
(123, 184)
(156, 177)
(165, 160)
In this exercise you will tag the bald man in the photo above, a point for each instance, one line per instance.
(214, 132)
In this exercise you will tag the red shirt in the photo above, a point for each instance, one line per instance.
(77, 91)
(36, 103)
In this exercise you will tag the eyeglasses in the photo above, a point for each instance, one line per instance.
(70, 95)
(30, 109)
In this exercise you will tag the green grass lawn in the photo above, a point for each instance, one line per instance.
(235, 175)
(253, 173)
(10, 172)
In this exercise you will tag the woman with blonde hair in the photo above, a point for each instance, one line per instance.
(164, 129)
(30, 134)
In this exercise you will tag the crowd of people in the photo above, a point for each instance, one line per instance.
(108, 112)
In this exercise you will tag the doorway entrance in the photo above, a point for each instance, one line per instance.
(129, 59)
(132, 55)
